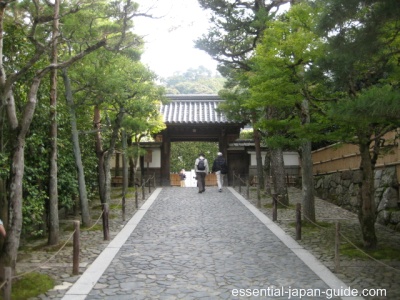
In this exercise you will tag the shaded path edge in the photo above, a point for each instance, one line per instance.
(315, 265)
(89, 278)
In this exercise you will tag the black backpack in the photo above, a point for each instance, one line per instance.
(201, 166)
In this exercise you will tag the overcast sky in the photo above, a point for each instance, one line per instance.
(169, 40)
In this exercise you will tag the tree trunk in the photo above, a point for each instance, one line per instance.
(125, 172)
(257, 144)
(308, 203)
(367, 211)
(99, 154)
(4, 211)
(53, 176)
(104, 157)
(267, 172)
(278, 175)
(131, 181)
(19, 130)
(84, 203)
(131, 163)
(9, 255)
(277, 163)
(107, 175)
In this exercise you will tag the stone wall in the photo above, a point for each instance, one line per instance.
(342, 188)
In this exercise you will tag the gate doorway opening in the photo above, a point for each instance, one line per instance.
(183, 156)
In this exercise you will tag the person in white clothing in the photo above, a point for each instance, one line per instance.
(201, 168)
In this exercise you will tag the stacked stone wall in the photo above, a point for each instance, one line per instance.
(342, 188)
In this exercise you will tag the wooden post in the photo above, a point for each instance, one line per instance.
(240, 184)
(125, 173)
(258, 196)
(149, 186)
(8, 283)
(274, 207)
(136, 198)
(76, 249)
(106, 229)
(248, 189)
(298, 221)
(233, 181)
(337, 247)
(123, 208)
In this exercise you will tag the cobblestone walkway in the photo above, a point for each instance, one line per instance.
(203, 246)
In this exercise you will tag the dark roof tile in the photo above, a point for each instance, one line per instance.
(193, 109)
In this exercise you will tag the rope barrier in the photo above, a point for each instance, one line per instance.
(366, 254)
(142, 186)
(240, 178)
(3, 284)
(69, 238)
(51, 257)
(98, 219)
(45, 262)
(346, 238)
(283, 204)
(352, 244)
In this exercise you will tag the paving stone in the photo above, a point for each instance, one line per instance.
(186, 244)
(202, 246)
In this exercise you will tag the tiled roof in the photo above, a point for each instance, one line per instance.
(245, 143)
(193, 109)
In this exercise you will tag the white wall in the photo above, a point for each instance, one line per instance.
(156, 159)
(289, 158)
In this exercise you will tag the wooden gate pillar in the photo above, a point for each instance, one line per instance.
(223, 147)
(165, 160)
(223, 143)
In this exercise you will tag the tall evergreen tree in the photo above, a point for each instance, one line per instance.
(237, 28)
(362, 63)
(29, 64)
(279, 82)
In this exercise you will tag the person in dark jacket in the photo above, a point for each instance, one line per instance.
(220, 168)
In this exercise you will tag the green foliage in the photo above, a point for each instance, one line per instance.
(36, 177)
(361, 40)
(31, 285)
(236, 28)
(33, 209)
(384, 252)
(194, 81)
(184, 154)
(96, 227)
(279, 80)
(4, 167)
(362, 64)
(111, 78)
(376, 109)
(246, 134)
(376, 105)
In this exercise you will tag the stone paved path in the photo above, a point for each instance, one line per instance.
(204, 246)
